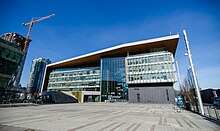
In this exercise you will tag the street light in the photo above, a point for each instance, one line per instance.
(178, 74)
(193, 72)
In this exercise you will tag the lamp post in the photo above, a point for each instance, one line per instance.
(178, 74)
(193, 72)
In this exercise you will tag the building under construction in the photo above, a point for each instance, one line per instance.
(11, 53)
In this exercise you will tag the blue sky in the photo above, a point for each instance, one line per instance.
(83, 26)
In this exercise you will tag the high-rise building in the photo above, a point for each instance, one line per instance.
(141, 71)
(36, 74)
(11, 53)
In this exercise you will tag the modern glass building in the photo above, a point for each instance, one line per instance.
(141, 71)
(36, 75)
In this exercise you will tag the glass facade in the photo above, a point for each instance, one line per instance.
(141, 71)
(75, 79)
(114, 75)
(151, 68)
(36, 74)
(113, 78)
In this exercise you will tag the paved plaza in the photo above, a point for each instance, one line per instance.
(103, 117)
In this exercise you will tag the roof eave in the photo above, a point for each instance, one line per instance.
(125, 45)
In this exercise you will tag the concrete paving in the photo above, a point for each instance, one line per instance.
(103, 117)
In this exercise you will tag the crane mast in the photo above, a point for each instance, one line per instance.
(26, 45)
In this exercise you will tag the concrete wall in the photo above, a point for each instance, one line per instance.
(151, 95)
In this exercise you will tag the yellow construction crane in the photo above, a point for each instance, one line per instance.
(26, 44)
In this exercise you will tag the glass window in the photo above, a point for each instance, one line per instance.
(151, 59)
(139, 68)
(163, 76)
(136, 61)
(142, 59)
(153, 76)
(131, 61)
(169, 75)
(153, 67)
(166, 57)
(162, 66)
(146, 59)
(141, 77)
(160, 58)
(142, 68)
(158, 67)
(158, 76)
(155, 59)
(149, 67)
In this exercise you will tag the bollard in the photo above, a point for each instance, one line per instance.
(216, 113)
(208, 111)
(178, 110)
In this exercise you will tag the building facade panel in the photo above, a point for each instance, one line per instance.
(163, 94)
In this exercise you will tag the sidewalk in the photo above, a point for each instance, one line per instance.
(104, 116)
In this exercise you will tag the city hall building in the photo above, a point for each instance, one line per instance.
(141, 71)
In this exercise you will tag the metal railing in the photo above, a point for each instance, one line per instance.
(212, 111)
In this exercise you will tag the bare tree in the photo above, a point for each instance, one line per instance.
(188, 92)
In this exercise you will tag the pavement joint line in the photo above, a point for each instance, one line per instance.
(165, 121)
(118, 126)
(178, 122)
(193, 123)
(190, 126)
(23, 119)
(85, 125)
(118, 112)
(132, 125)
(152, 128)
(12, 116)
(78, 115)
(16, 128)
(98, 116)
(160, 121)
(32, 121)
(116, 116)
(136, 127)
(107, 126)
